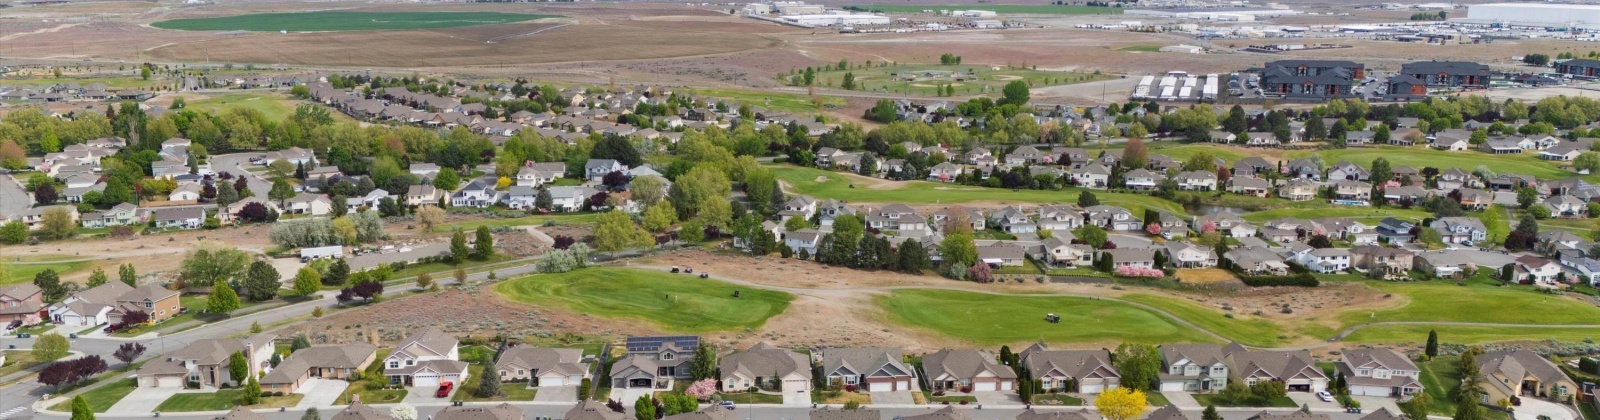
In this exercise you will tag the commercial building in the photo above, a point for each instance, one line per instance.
(1311, 79)
(838, 20)
(1536, 13)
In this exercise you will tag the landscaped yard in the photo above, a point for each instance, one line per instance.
(999, 319)
(1057, 399)
(750, 398)
(952, 399)
(1253, 332)
(1440, 379)
(509, 391)
(196, 304)
(1217, 400)
(222, 400)
(102, 398)
(804, 180)
(17, 360)
(371, 387)
(824, 397)
(675, 302)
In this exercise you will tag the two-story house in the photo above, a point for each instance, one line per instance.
(1059, 251)
(1112, 218)
(1192, 368)
(596, 169)
(426, 358)
(479, 193)
(1059, 218)
(1521, 373)
(205, 363)
(1078, 371)
(423, 195)
(654, 362)
(1326, 260)
(158, 302)
(896, 217)
(1379, 372)
(536, 174)
(22, 302)
(1457, 230)
(1537, 271)
(1197, 181)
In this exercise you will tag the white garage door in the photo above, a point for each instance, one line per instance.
(902, 385)
(880, 387)
(1368, 391)
(169, 381)
(552, 381)
(983, 386)
(794, 385)
(1172, 386)
(1094, 389)
(1005, 386)
(425, 381)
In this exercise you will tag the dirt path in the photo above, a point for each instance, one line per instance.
(52, 29)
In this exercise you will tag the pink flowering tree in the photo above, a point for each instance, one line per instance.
(1153, 228)
(1133, 271)
(702, 389)
(1208, 227)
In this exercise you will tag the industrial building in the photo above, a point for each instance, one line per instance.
(1536, 14)
(837, 19)
(1219, 14)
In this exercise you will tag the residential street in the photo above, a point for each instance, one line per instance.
(237, 164)
(13, 200)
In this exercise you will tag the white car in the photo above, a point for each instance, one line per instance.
(1325, 396)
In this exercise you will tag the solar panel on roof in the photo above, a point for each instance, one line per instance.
(686, 342)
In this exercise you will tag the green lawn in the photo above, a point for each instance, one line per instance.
(673, 302)
(1183, 151)
(952, 399)
(999, 319)
(1217, 400)
(750, 398)
(782, 102)
(1253, 332)
(221, 400)
(1417, 157)
(20, 272)
(508, 391)
(1455, 334)
(1495, 220)
(370, 389)
(16, 361)
(1368, 215)
(538, 220)
(1155, 399)
(344, 21)
(274, 107)
(1065, 399)
(102, 398)
(1032, 9)
(1481, 300)
(835, 185)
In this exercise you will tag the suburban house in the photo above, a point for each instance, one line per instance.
(423, 195)
(426, 358)
(1002, 254)
(1197, 181)
(536, 174)
(896, 217)
(358, 411)
(1393, 261)
(1112, 218)
(178, 217)
(1192, 368)
(503, 411)
(1445, 265)
(596, 169)
(1257, 261)
(89, 307)
(880, 369)
(122, 214)
(1517, 373)
(1298, 189)
(1249, 185)
(593, 410)
(1079, 371)
(1566, 206)
(1537, 271)
(22, 302)
(803, 240)
(1295, 369)
(1326, 260)
(329, 362)
(654, 362)
(967, 370)
(766, 367)
(1059, 218)
(1379, 372)
(309, 204)
(1189, 255)
(479, 193)
(205, 363)
(1455, 230)
(1059, 251)
(154, 300)
(542, 366)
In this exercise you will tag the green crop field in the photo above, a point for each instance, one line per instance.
(1026, 9)
(999, 319)
(836, 185)
(344, 21)
(927, 79)
(1254, 332)
(675, 302)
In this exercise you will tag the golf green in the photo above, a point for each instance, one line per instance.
(674, 302)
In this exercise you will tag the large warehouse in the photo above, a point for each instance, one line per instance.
(1536, 13)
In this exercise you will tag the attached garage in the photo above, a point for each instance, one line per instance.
(1005, 386)
(1171, 386)
(880, 386)
(1099, 388)
(794, 385)
(552, 381)
(904, 385)
(426, 380)
(1369, 391)
(984, 386)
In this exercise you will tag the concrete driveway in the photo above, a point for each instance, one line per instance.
(1182, 400)
(797, 399)
(558, 394)
(997, 398)
(420, 394)
(143, 401)
(892, 397)
(628, 394)
(320, 392)
(1532, 408)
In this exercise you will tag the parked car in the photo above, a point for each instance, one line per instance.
(1324, 396)
(444, 389)
(15, 324)
(726, 404)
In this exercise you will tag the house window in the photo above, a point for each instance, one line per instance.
(411, 362)
(148, 304)
(1363, 372)
(850, 380)
(394, 365)
(668, 356)
(520, 372)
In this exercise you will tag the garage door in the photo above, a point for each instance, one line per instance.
(1096, 389)
(1172, 386)
(169, 381)
(902, 385)
(425, 381)
(880, 387)
(1005, 386)
(794, 385)
(983, 386)
(1367, 391)
(552, 381)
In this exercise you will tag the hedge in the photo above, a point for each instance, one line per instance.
(1301, 280)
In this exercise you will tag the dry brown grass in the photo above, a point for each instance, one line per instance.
(1204, 275)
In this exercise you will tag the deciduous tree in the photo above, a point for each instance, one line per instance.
(1121, 403)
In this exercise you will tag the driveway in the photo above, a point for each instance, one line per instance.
(558, 394)
(1532, 408)
(238, 164)
(1182, 400)
(320, 392)
(424, 394)
(797, 399)
(1310, 399)
(1124, 240)
(628, 394)
(892, 397)
(997, 398)
(143, 401)
(14, 200)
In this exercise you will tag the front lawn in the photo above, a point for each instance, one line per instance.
(750, 398)
(373, 388)
(952, 399)
(1217, 400)
(1155, 399)
(1057, 399)
(840, 397)
(674, 302)
(1001, 319)
(17, 360)
(222, 400)
(509, 391)
(102, 398)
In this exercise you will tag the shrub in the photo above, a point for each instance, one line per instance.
(850, 388)
(1301, 280)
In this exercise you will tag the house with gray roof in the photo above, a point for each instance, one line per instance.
(426, 358)
(596, 410)
(654, 362)
(328, 362)
(832, 413)
(876, 369)
(503, 411)
(1295, 369)
(1002, 254)
(1379, 372)
(1192, 368)
(1520, 373)
(1081, 414)
(359, 411)
(205, 363)
(1077, 371)
(967, 371)
(766, 367)
(542, 366)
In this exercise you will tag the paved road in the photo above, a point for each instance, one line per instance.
(237, 163)
(13, 199)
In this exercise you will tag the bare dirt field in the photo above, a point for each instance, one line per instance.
(474, 311)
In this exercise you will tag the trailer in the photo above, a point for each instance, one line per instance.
(1143, 89)
(1166, 92)
(317, 253)
(1209, 93)
(1168, 81)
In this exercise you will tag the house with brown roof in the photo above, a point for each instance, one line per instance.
(766, 367)
(89, 307)
(1379, 372)
(154, 300)
(426, 358)
(359, 411)
(1081, 414)
(205, 362)
(22, 302)
(1293, 415)
(1521, 373)
(1295, 369)
(593, 410)
(504, 411)
(874, 368)
(1079, 371)
(329, 362)
(967, 370)
(542, 366)
(947, 413)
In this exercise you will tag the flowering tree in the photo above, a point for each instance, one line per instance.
(980, 273)
(1132, 271)
(1153, 229)
(702, 389)
(1208, 227)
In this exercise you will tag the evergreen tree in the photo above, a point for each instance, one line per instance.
(311, 414)
(1210, 413)
(81, 410)
(484, 248)
(1432, 349)
(223, 299)
(97, 278)
(238, 368)
(127, 275)
(252, 392)
(488, 385)
(458, 247)
(261, 282)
